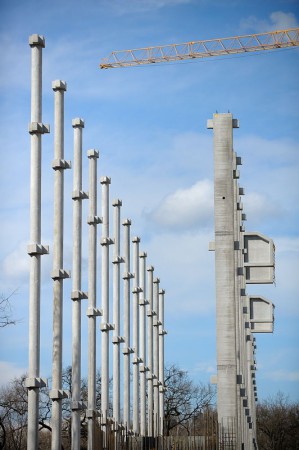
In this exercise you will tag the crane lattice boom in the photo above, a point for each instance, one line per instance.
(203, 49)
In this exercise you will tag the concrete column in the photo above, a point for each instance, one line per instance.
(243, 321)
(240, 325)
(238, 315)
(245, 435)
(143, 368)
(223, 125)
(253, 430)
(58, 273)
(136, 360)
(150, 390)
(37, 43)
(127, 350)
(77, 294)
(116, 339)
(244, 333)
(105, 325)
(92, 310)
(35, 249)
(162, 333)
(156, 382)
(250, 391)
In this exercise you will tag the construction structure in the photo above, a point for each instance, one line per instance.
(35, 249)
(241, 257)
(107, 426)
(59, 274)
(202, 49)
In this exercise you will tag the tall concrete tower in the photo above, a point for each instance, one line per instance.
(223, 125)
(241, 258)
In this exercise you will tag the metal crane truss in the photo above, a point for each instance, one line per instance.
(261, 314)
(259, 258)
(202, 49)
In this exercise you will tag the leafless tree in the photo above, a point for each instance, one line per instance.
(13, 414)
(278, 424)
(184, 400)
(6, 311)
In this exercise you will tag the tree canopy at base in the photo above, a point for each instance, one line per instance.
(278, 424)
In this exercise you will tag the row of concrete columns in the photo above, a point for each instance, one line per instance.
(236, 386)
(135, 294)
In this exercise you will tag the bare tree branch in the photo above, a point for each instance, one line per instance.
(278, 423)
(183, 399)
(6, 311)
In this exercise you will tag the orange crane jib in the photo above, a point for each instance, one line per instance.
(202, 49)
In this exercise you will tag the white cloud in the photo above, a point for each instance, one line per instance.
(9, 371)
(205, 367)
(161, 3)
(15, 265)
(287, 261)
(185, 267)
(283, 375)
(269, 176)
(186, 209)
(287, 244)
(282, 20)
(277, 20)
(266, 153)
(130, 6)
(259, 207)
(13, 73)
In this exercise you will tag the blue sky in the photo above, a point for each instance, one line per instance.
(149, 124)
